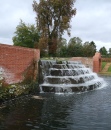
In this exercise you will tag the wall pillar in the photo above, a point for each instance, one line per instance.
(36, 60)
(97, 62)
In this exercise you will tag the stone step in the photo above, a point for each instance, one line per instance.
(67, 66)
(68, 79)
(60, 89)
(68, 72)
(74, 62)
(67, 76)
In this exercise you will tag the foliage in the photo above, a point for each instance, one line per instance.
(9, 91)
(61, 48)
(53, 18)
(42, 45)
(109, 51)
(89, 49)
(75, 47)
(92, 47)
(13, 90)
(63, 51)
(103, 51)
(26, 35)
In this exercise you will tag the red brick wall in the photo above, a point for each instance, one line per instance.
(15, 60)
(87, 61)
(106, 59)
(94, 63)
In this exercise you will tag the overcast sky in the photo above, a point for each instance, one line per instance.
(91, 23)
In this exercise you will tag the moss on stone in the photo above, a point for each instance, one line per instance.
(59, 62)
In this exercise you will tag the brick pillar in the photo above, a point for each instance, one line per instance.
(36, 59)
(36, 54)
(97, 62)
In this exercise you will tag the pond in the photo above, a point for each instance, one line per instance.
(48, 111)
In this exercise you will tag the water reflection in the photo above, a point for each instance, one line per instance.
(86, 111)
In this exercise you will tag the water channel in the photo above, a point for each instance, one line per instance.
(69, 111)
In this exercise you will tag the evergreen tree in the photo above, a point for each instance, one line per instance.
(103, 51)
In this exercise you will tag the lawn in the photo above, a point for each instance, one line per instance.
(109, 69)
(103, 65)
(108, 72)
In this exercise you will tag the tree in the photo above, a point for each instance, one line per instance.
(103, 51)
(92, 47)
(109, 51)
(89, 49)
(75, 47)
(53, 18)
(62, 48)
(26, 35)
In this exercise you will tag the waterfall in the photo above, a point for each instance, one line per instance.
(67, 76)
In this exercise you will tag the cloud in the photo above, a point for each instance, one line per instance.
(11, 12)
(6, 41)
(100, 44)
(91, 23)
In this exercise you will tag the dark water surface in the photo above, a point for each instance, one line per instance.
(85, 111)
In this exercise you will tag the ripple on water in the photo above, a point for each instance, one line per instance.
(85, 111)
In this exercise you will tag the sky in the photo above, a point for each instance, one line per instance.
(91, 23)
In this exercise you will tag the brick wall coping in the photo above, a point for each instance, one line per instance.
(18, 47)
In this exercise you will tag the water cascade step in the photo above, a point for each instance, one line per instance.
(66, 76)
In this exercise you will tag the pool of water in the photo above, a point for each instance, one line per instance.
(84, 111)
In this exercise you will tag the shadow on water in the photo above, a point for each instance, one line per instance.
(48, 111)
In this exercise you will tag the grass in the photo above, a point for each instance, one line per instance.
(109, 69)
(103, 65)
(108, 73)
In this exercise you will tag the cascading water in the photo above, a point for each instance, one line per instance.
(67, 76)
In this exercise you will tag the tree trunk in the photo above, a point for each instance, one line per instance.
(52, 46)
